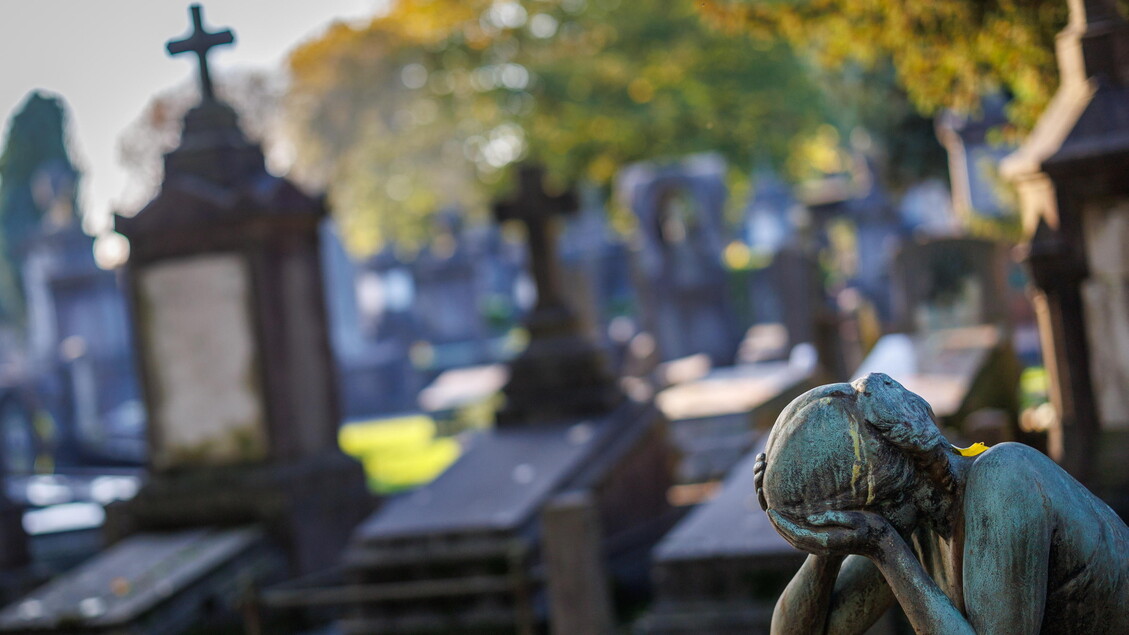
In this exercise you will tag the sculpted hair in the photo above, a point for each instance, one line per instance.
(860, 445)
(907, 421)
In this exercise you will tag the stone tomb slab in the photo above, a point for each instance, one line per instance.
(713, 419)
(148, 583)
(956, 370)
(496, 485)
(463, 552)
(722, 567)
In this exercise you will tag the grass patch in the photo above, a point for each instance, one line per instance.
(398, 453)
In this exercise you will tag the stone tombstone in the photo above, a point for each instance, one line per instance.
(768, 222)
(371, 329)
(503, 286)
(721, 568)
(562, 372)
(879, 234)
(1072, 177)
(445, 304)
(378, 376)
(974, 159)
(226, 289)
(949, 283)
(466, 552)
(768, 226)
(80, 343)
(595, 265)
(682, 283)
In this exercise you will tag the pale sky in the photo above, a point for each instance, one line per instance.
(107, 58)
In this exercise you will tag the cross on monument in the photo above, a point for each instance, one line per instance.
(200, 42)
(535, 208)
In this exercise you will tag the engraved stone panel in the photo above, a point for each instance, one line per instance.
(205, 403)
(1105, 296)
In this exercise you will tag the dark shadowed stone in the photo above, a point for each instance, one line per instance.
(720, 569)
(153, 582)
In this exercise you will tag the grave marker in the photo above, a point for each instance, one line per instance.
(237, 374)
(683, 291)
(461, 552)
(1072, 177)
(562, 373)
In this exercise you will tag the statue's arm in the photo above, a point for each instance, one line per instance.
(928, 608)
(804, 604)
(868, 534)
(826, 598)
(1009, 526)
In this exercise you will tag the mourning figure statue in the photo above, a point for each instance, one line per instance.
(998, 540)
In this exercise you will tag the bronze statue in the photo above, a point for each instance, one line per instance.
(966, 541)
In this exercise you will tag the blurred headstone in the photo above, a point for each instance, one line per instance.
(445, 304)
(1071, 177)
(683, 292)
(721, 569)
(460, 554)
(232, 337)
(948, 283)
(80, 345)
(974, 158)
(596, 267)
(879, 235)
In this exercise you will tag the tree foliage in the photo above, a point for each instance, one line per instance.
(946, 53)
(426, 106)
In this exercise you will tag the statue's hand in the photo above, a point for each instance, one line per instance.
(758, 480)
(834, 533)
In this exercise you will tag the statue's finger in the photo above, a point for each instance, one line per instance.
(786, 525)
(832, 518)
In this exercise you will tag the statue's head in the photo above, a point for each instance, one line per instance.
(866, 445)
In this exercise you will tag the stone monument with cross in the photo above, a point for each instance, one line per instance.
(200, 41)
(562, 373)
(232, 338)
(246, 482)
(470, 552)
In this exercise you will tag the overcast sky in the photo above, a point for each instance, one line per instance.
(106, 58)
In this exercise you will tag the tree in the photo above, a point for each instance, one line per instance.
(426, 106)
(946, 53)
(37, 181)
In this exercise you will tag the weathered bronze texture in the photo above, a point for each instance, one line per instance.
(998, 540)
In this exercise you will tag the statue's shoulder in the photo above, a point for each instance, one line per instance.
(1009, 463)
(1009, 452)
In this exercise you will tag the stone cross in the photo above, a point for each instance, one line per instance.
(535, 208)
(200, 42)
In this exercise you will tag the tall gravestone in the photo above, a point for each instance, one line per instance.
(561, 373)
(226, 289)
(445, 304)
(80, 347)
(462, 553)
(879, 233)
(683, 287)
(1072, 176)
(973, 159)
